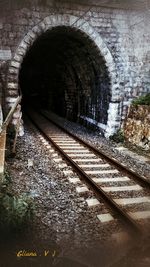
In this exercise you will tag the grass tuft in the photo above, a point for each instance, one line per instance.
(142, 100)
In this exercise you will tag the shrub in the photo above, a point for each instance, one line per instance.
(118, 137)
(15, 211)
(142, 100)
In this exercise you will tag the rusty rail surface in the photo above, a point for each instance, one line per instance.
(142, 180)
(125, 217)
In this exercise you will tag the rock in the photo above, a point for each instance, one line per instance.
(137, 126)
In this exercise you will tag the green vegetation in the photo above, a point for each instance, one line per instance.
(118, 137)
(142, 100)
(15, 211)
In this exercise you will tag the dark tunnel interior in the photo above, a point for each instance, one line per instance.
(64, 72)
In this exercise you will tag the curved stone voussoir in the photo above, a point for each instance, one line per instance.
(84, 29)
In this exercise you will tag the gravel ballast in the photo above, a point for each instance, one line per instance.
(63, 221)
(107, 146)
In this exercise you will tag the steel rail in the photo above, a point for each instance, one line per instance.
(132, 174)
(98, 190)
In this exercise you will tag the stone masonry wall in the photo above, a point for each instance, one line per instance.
(122, 33)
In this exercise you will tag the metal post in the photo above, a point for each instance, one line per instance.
(2, 154)
(3, 138)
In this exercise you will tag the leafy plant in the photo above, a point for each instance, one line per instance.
(142, 100)
(15, 211)
(118, 137)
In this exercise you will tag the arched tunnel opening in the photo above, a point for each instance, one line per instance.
(64, 72)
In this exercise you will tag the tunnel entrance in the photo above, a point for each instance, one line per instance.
(63, 71)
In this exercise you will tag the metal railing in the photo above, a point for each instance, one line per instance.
(3, 133)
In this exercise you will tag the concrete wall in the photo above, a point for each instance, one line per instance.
(121, 36)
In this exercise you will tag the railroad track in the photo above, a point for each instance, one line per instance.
(101, 173)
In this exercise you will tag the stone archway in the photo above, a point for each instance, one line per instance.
(78, 24)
